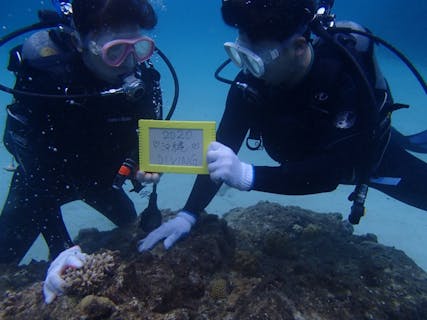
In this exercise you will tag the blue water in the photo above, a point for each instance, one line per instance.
(191, 34)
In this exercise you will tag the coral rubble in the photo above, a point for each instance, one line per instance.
(262, 262)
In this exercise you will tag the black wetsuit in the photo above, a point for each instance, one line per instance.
(316, 132)
(68, 149)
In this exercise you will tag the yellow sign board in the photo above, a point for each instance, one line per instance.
(174, 146)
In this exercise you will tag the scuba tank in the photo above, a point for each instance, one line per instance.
(323, 25)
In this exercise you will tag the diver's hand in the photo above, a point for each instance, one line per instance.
(171, 231)
(148, 177)
(225, 166)
(54, 285)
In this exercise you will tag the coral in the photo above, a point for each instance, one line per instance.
(312, 230)
(246, 262)
(219, 288)
(94, 307)
(287, 264)
(276, 243)
(10, 300)
(297, 228)
(13, 303)
(92, 275)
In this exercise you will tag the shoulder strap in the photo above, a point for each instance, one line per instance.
(362, 48)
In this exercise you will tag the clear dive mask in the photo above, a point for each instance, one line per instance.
(254, 61)
(254, 57)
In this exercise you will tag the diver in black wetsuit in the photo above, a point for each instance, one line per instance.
(71, 149)
(322, 116)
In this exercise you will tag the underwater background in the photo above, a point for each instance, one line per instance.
(191, 33)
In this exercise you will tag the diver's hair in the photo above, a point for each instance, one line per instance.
(268, 19)
(94, 15)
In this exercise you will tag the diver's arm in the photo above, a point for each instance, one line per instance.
(231, 132)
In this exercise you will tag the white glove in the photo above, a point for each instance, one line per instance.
(171, 231)
(225, 166)
(54, 285)
(148, 177)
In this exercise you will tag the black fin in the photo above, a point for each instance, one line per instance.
(415, 142)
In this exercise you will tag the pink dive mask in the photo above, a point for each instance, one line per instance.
(115, 52)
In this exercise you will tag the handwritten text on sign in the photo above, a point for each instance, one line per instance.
(183, 147)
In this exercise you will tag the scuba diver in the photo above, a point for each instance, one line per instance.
(310, 92)
(80, 89)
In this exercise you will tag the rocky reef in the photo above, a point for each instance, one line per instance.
(262, 262)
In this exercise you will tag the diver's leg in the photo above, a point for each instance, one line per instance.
(113, 204)
(412, 189)
(54, 231)
(27, 213)
(18, 229)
